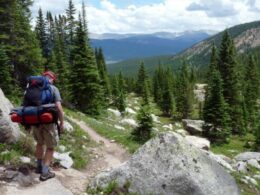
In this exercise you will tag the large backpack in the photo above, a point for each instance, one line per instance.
(38, 91)
(38, 104)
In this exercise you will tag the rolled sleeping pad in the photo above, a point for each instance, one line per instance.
(32, 119)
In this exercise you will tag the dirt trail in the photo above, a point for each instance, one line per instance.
(107, 156)
(112, 153)
(71, 181)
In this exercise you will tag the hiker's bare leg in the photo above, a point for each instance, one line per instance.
(48, 156)
(39, 151)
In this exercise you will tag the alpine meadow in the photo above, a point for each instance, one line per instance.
(162, 122)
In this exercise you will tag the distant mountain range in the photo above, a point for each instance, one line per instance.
(118, 47)
(246, 38)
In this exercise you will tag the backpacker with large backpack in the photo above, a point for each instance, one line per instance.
(38, 105)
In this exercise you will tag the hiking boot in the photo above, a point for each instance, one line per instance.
(47, 176)
(38, 170)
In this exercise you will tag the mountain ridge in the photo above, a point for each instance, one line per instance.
(127, 46)
(246, 37)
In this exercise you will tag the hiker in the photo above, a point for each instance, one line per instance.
(47, 134)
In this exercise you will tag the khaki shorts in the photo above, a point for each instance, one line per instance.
(46, 134)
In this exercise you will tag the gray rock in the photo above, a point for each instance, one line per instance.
(64, 159)
(199, 142)
(220, 160)
(10, 174)
(68, 127)
(247, 156)
(167, 164)
(25, 159)
(251, 180)
(199, 91)
(9, 131)
(194, 127)
(62, 148)
(241, 167)
(225, 158)
(253, 163)
(51, 186)
(182, 132)
(257, 176)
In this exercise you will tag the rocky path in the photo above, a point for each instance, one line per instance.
(71, 181)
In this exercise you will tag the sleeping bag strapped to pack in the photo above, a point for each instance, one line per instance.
(37, 105)
(35, 115)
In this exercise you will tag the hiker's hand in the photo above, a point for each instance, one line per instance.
(61, 128)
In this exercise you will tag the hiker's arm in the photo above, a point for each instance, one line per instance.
(60, 114)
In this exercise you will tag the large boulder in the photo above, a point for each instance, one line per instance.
(9, 131)
(245, 156)
(194, 127)
(168, 164)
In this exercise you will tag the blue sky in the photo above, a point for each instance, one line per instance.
(148, 16)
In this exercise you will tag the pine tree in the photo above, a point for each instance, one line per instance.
(23, 40)
(70, 28)
(232, 88)
(120, 100)
(50, 31)
(251, 90)
(141, 79)
(5, 73)
(184, 93)
(41, 34)
(168, 103)
(103, 72)
(85, 84)
(257, 132)
(143, 132)
(215, 108)
(146, 94)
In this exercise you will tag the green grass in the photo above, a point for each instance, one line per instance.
(235, 146)
(247, 189)
(110, 132)
(111, 188)
(10, 153)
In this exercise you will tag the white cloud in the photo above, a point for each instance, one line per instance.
(169, 15)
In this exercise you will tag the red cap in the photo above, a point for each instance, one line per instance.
(50, 74)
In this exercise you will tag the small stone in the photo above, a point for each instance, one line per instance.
(119, 127)
(130, 111)
(112, 141)
(84, 137)
(68, 127)
(10, 174)
(241, 167)
(115, 112)
(62, 148)
(198, 142)
(247, 156)
(254, 163)
(244, 181)
(64, 159)
(251, 180)
(25, 159)
(169, 126)
(257, 176)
